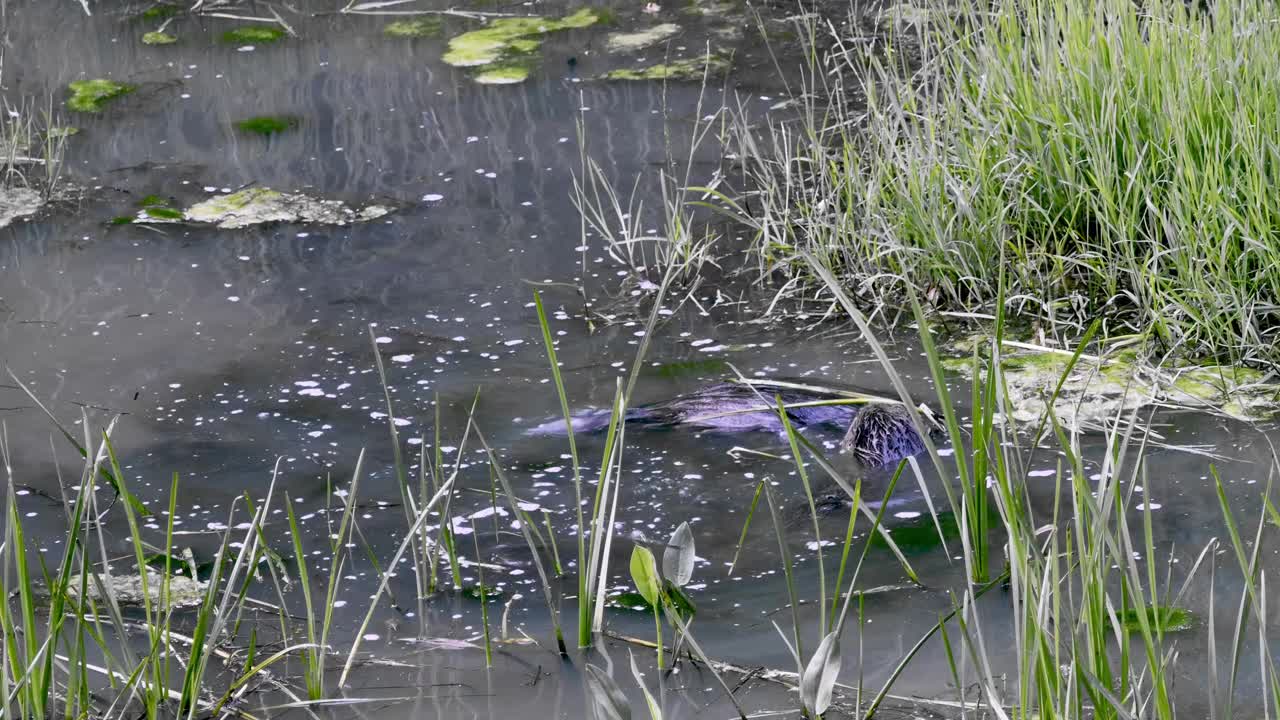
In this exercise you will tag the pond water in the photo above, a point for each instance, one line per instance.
(227, 349)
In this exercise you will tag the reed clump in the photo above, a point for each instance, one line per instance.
(1114, 158)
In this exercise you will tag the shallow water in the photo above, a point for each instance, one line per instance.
(226, 350)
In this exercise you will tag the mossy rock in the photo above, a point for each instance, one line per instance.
(504, 37)
(268, 125)
(692, 69)
(419, 27)
(158, 38)
(89, 96)
(250, 34)
(259, 205)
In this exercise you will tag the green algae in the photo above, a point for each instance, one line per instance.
(1158, 617)
(252, 34)
(152, 201)
(691, 69)
(163, 213)
(160, 11)
(640, 39)
(158, 38)
(505, 37)
(268, 125)
(507, 73)
(259, 205)
(88, 96)
(1098, 389)
(122, 220)
(420, 27)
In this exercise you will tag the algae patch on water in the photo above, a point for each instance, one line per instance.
(268, 125)
(415, 27)
(90, 95)
(691, 69)
(252, 34)
(503, 74)
(640, 39)
(506, 40)
(1158, 618)
(158, 38)
(1100, 388)
(256, 206)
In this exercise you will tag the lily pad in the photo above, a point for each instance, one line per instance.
(256, 206)
(158, 38)
(418, 27)
(18, 202)
(90, 95)
(921, 536)
(640, 39)
(506, 39)
(252, 34)
(268, 125)
(691, 69)
(1159, 617)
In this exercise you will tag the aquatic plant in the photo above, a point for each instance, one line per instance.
(268, 125)
(160, 11)
(252, 34)
(89, 96)
(158, 38)
(428, 26)
(686, 70)
(509, 38)
(1115, 159)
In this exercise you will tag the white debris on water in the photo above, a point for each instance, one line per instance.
(18, 202)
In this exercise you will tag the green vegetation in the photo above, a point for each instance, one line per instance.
(427, 26)
(160, 11)
(688, 70)
(89, 96)
(509, 40)
(250, 34)
(505, 73)
(1116, 159)
(163, 213)
(158, 38)
(268, 125)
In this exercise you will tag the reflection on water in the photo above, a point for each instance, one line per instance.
(228, 349)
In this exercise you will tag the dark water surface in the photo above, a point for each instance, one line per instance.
(228, 349)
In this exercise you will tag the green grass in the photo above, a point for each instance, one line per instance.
(1114, 159)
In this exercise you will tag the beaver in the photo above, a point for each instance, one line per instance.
(879, 432)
